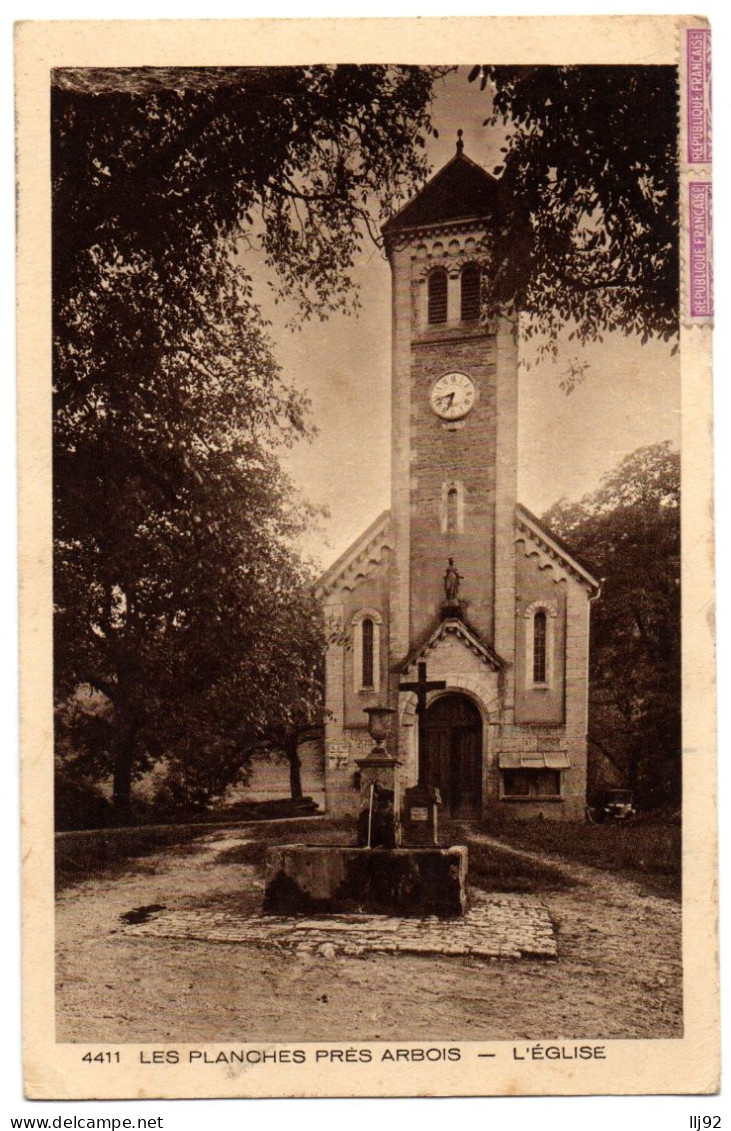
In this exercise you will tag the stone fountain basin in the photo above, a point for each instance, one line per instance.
(304, 879)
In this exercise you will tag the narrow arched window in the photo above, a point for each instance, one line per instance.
(452, 510)
(540, 631)
(539, 647)
(367, 652)
(438, 296)
(470, 293)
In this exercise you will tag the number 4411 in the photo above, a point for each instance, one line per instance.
(101, 1057)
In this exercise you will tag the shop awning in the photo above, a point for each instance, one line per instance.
(534, 760)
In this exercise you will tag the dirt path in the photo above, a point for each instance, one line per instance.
(618, 974)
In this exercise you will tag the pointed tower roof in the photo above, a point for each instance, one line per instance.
(461, 190)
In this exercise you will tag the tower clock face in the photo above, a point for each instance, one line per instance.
(453, 395)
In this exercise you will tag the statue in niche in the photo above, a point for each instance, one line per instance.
(451, 583)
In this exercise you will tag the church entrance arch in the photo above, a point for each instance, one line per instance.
(452, 758)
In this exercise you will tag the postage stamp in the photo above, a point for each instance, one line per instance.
(698, 99)
(367, 699)
(697, 148)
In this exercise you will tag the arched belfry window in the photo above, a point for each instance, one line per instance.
(470, 293)
(437, 285)
(367, 650)
(540, 621)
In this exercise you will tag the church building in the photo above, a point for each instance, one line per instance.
(458, 588)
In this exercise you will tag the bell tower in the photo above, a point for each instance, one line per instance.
(454, 418)
(458, 610)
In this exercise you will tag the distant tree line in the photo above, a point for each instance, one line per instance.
(628, 531)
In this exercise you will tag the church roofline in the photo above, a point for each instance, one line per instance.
(452, 626)
(536, 529)
(457, 226)
(349, 558)
(400, 221)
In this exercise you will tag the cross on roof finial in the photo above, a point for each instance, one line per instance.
(460, 143)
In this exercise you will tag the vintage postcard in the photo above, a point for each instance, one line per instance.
(367, 705)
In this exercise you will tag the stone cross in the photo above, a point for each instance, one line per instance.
(422, 686)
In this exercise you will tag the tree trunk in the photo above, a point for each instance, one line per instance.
(633, 772)
(123, 765)
(295, 779)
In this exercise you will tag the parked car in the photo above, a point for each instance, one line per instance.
(614, 805)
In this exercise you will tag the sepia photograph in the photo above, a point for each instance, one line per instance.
(372, 744)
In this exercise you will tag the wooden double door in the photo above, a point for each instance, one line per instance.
(452, 758)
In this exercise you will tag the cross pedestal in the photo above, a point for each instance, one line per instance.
(422, 686)
(421, 812)
(421, 802)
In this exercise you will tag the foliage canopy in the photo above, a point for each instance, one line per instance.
(629, 532)
(177, 594)
(590, 197)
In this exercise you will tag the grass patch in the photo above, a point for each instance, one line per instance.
(252, 852)
(263, 810)
(81, 856)
(645, 850)
(110, 852)
(495, 869)
(82, 809)
(335, 830)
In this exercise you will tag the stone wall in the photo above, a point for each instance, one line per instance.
(537, 590)
(442, 454)
(269, 780)
(369, 598)
(551, 720)
(401, 327)
(346, 733)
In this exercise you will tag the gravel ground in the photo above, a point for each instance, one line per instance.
(618, 972)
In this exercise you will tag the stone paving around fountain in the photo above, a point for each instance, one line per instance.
(495, 927)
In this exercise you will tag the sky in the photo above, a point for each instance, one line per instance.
(630, 398)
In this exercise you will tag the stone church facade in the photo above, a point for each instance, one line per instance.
(507, 635)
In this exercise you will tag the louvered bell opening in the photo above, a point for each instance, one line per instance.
(438, 296)
(470, 308)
